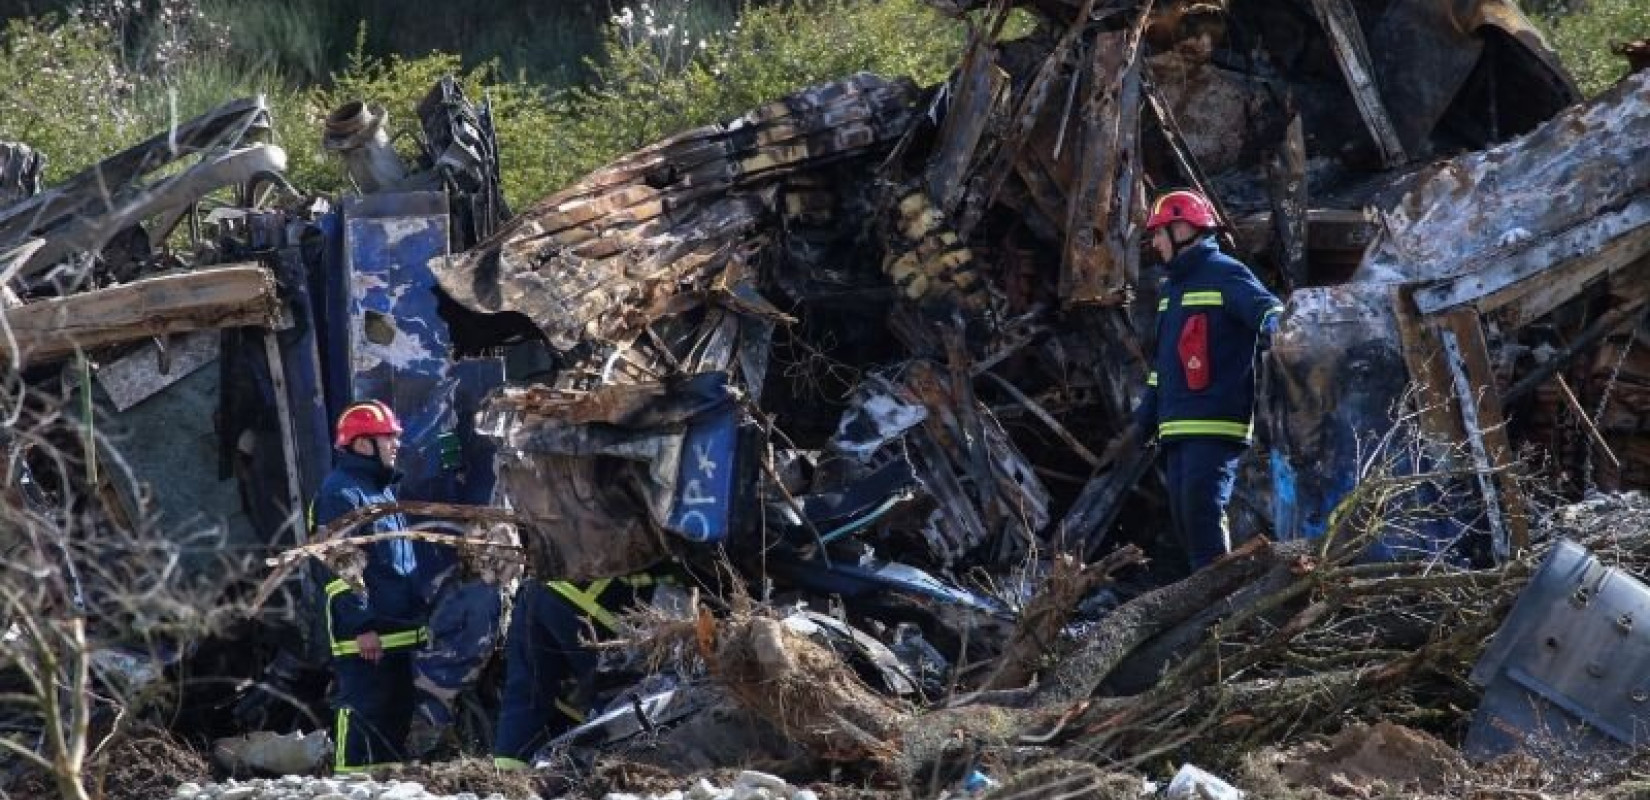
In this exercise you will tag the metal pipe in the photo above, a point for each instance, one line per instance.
(355, 131)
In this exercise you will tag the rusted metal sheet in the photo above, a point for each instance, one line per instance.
(1102, 248)
(666, 217)
(974, 94)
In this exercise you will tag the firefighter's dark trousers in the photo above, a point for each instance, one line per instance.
(544, 670)
(1201, 473)
(373, 706)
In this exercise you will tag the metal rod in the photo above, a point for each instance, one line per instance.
(1048, 419)
(1581, 413)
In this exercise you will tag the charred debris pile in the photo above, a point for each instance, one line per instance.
(864, 351)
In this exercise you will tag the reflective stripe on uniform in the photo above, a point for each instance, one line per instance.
(1206, 427)
(588, 600)
(1202, 299)
(1163, 304)
(1151, 378)
(388, 641)
(342, 732)
(1270, 312)
(504, 764)
(572, 713)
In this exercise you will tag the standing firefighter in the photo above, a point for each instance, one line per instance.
(372, 636)
(1212, 315)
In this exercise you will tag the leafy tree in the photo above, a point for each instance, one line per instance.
(1582, 32)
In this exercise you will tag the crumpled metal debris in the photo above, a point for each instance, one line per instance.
(988, 228)
(269, 753)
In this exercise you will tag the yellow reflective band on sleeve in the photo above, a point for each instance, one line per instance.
(389, 641)
(1151, 378)
(588, 600)
(1206, 427)
(336, 588)
(1163, 304)
(1271, 312)
(1202, 299)
(572, 713)
(503, 764)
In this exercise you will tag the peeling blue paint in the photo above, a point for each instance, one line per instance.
(399, 348)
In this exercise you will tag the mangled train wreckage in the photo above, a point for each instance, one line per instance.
(872, 333)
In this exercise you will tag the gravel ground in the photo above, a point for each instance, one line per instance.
(749, 785)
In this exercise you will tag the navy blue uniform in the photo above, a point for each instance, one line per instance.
(373, 701)
(1200, 393)
(548, 672)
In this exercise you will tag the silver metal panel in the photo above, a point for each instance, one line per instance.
(137, 376)
(1577, 647)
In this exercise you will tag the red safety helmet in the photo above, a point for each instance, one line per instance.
(1187, 206)
(369, 418)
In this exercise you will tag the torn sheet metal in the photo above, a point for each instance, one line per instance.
(590, 262)
(1478, 214)
(876, 415)
(400, 350)
(596, 478)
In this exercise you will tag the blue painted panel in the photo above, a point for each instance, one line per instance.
(704, 487)
(400, 348)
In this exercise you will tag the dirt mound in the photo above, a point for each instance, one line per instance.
(1361, 761)
(473, 775)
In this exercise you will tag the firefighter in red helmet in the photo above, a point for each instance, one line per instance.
(1212, 317)
(372, 635)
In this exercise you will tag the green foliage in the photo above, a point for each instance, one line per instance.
(68, 95)
(78, 96)
(1583, 31)
(660, 74)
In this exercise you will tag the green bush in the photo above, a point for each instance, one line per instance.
(659, 75)
(662, 69)
(67, 96)
(1583, 31)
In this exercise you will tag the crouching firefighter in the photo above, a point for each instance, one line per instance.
(1213, 317)
(549, 673)
(372, 635)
